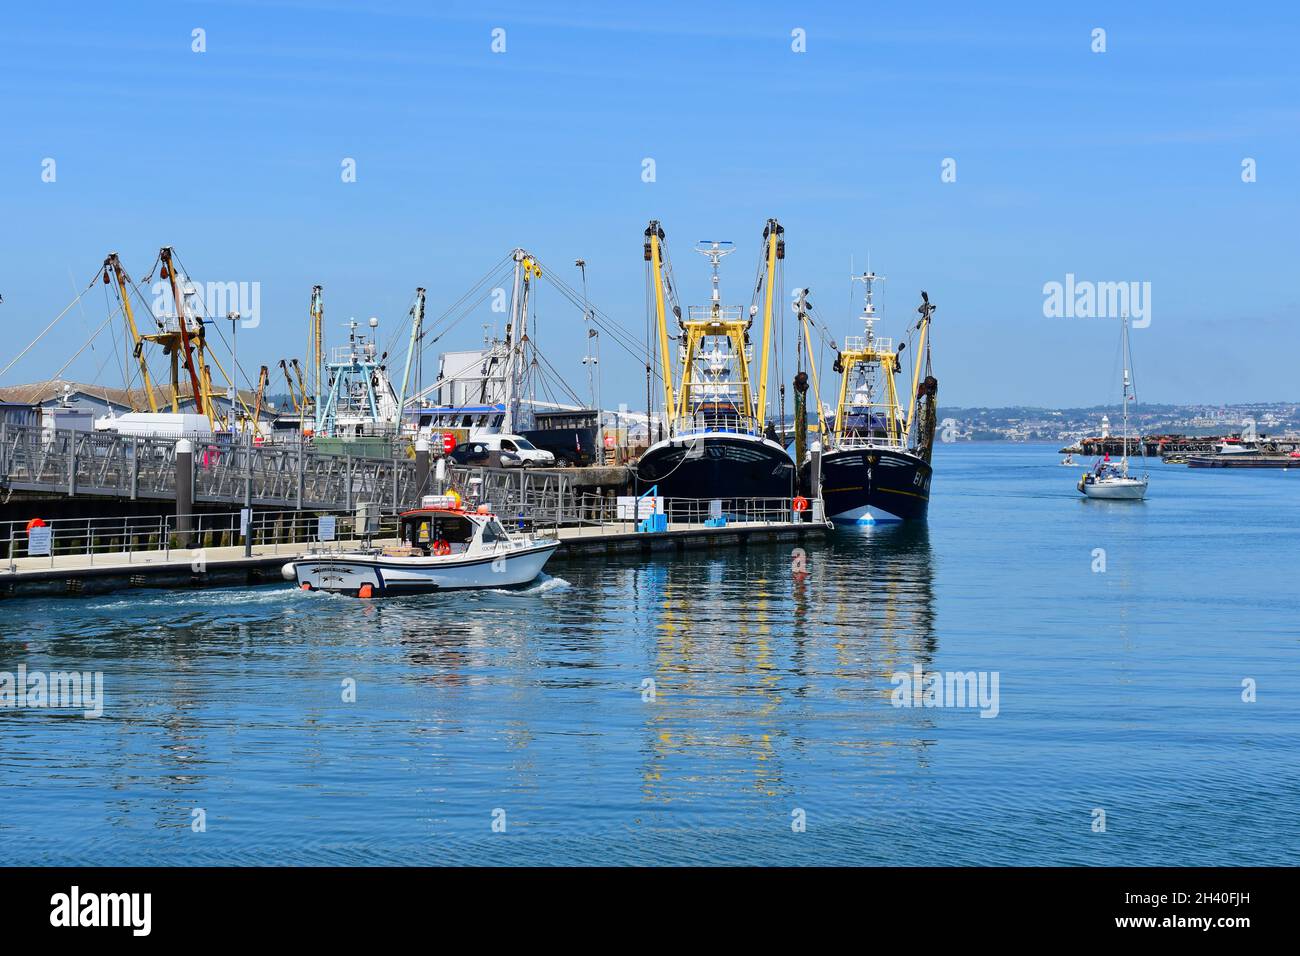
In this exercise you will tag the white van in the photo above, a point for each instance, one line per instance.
(530, 456)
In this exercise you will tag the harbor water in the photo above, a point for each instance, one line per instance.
(1141, 705)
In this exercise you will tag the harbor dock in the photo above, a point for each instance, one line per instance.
(141, 564)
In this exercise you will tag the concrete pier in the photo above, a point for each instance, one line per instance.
(78, 574)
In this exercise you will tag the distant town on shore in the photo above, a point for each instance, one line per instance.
(1021, 423)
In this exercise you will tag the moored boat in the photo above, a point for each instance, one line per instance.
(719, 444)
(1244, 460)
(876, 464)
(443, 548)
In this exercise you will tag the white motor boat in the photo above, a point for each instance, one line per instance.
(443, 548)
(1108, 480)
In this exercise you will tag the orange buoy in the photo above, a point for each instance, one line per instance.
(800, 503)
(366, 591)
(305, 586)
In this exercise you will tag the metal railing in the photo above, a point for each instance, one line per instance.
(719, 421)
(114, 541)
(271, 474)
(594, 514)
(860, 343)
(104, 542)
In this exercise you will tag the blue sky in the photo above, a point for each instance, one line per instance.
(1115, 166)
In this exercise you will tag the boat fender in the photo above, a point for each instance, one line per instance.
(289, 572)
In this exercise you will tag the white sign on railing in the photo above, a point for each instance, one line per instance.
(633, 508)
(326, 528)
(39, 541)
(245, 521)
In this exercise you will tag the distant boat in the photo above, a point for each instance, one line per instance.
(1108, 480)
(1245, 460)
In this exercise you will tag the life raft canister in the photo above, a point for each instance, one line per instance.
(800, 503)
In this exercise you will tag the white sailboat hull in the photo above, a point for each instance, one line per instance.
(1116, 489)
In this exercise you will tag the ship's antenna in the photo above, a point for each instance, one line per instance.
(715, 249)
(869, 316)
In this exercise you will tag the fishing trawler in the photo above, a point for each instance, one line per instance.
(718, 444)
(1109, 480)
(876, 461)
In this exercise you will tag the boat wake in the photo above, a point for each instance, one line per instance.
(544, 584)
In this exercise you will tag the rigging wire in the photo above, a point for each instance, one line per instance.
(55, 322)
(83, 348)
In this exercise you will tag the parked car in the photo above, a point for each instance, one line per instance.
(480, 453)
(514, 451)
(529, 455)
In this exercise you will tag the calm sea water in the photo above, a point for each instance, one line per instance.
(1118, 690)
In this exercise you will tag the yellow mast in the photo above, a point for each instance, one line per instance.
(137, 343)
(315, 352)
(263, 377)
(924, 325)
(654, 255)
(775, 250)
(182, 345)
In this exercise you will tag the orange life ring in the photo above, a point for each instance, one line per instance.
(800, 503)
(441, 547)
(35, 523)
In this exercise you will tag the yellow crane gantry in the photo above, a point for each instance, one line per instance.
(654, 255)
(122, 282)
(774, 240)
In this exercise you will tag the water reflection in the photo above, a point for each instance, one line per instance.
(756, 653)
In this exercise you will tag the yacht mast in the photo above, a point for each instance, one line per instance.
(512, 337)
(1124, 334)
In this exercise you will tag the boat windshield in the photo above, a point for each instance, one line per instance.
(426, 530)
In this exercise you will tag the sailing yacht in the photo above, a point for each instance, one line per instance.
(877, 461)
(1109, 480)
(718, 444)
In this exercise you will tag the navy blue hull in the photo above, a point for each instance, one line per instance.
(874, 484)
(717, 467)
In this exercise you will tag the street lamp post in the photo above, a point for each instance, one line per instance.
(593, 364)
(232, 392)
